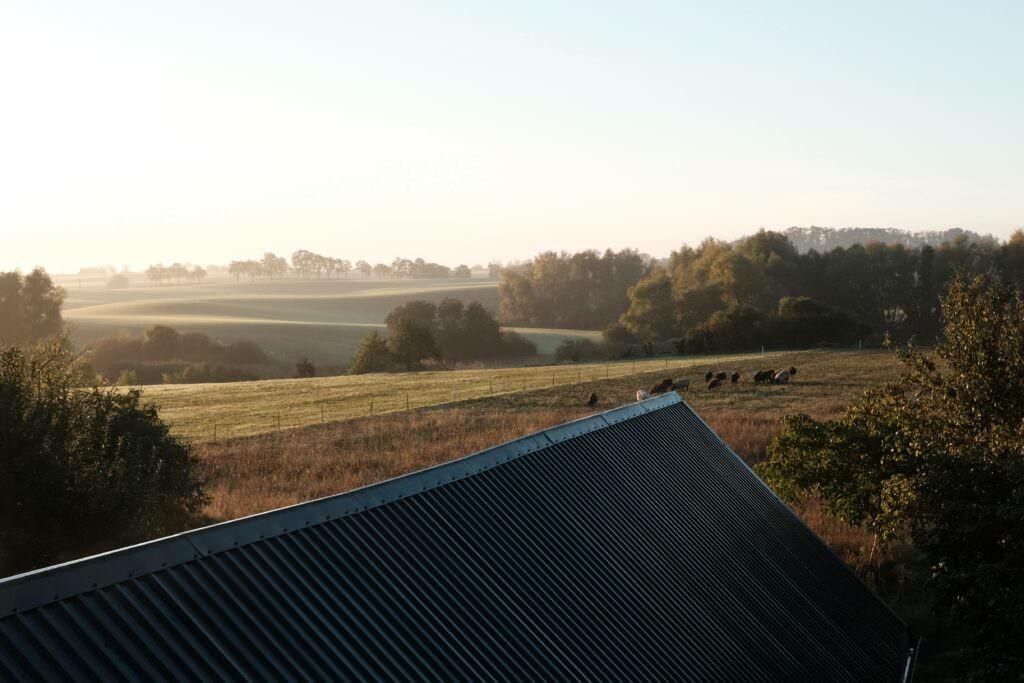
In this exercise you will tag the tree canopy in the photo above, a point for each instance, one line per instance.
(29, 307)
(585, 290)
(846, 294)
(82, 470)
(939, 454)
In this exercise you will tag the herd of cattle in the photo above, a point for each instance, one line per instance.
(714, 380)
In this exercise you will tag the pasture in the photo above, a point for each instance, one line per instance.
(205, 412)
(322, 319)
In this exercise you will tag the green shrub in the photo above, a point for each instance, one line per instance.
(82, 469)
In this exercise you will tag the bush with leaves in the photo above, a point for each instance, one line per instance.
(82, 470)
(580, 349)
(372, 355)
(410, 343)
(938, 454)
(29, 307)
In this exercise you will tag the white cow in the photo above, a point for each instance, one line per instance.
(781, 377)
(642, 395)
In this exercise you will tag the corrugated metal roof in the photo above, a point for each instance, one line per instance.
(628, 545)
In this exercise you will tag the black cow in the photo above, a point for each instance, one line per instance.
(661, 387)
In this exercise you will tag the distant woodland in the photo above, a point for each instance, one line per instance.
(758, 291)
(826, 239)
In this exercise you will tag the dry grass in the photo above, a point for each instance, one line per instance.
(254, 474)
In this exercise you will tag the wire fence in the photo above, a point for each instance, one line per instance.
(213, 421)
(329, 406)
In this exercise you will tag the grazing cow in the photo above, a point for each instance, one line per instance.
(735, 377)
(642, 395)
(682, 384)
(714, 384)
(721, 376)
(781, 377)
(708, 375)
(592, 401)
(661, 387)
(765, 376)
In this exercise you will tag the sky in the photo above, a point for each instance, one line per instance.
(463, 132)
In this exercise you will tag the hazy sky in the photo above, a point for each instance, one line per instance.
(133, 132)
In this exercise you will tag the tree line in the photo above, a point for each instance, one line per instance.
(585, 290)
(758, 291)
(825, 239)
(306, 264)
(159, 273)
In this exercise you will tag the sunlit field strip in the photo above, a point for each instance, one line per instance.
(205, 412)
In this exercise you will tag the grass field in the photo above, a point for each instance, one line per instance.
(322, 319)
(207, 411)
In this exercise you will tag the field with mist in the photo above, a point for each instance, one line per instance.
(321, 319)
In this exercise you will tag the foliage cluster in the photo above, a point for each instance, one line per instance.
(82, 470)
(584, 291)
(938, 454)
(203, 372)
(451, 331)
(723, 296)
(163, 354)
(29, 307)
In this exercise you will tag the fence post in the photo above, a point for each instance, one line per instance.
(606, 371)
(321, 413)
(552, 379)
(278, 422)
(407, 401)
(371, 405)
(491, 382)
(215, 432)
(579, 375)
(524, 384)
(634, 367)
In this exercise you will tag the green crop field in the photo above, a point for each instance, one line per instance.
(322, 319)
(206, 411)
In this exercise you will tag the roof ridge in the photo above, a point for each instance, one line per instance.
(38, 587)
